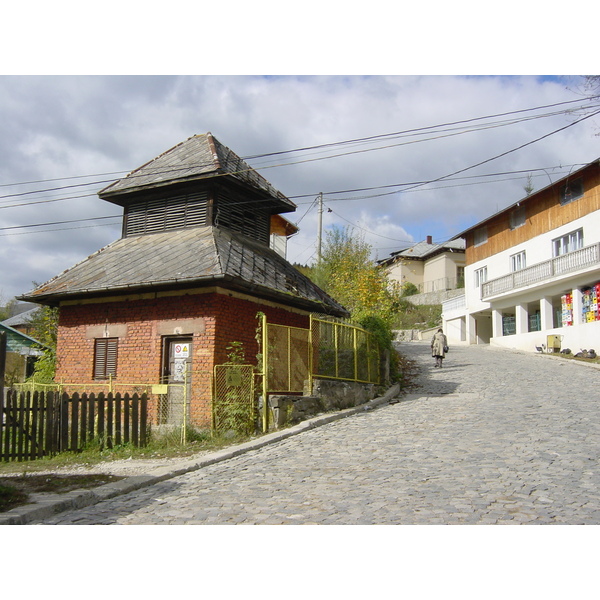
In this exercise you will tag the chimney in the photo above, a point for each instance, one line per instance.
(429, 240)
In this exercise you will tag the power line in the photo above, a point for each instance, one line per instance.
(334, 144)
(483, 162)
(369, 138)
(58, 222)
(332, 192)
(314, 201)
(200, 165)
(413, 186)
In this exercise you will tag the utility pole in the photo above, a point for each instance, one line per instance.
(320, 232)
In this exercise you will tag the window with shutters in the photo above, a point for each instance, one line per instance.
(105, 358)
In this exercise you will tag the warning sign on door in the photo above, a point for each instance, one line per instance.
(182, 351)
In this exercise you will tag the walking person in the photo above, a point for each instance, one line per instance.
(439, 347)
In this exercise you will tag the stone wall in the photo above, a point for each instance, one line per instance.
(327, 396)
(434, 297)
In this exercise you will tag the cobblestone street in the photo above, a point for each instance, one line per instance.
(494, 437)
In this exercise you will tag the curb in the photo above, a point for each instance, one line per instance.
(47, 505)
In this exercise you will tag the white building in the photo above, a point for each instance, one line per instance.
(532, 271)
(430, 267)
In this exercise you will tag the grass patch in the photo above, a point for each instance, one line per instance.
(593, 361)
(417, 316)
(16, 490)
(157, 448)
(18, 480)
(10, 497)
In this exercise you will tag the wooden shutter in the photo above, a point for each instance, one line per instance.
(105, 359)
(162, 214)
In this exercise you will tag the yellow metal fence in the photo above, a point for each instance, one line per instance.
(345, 352)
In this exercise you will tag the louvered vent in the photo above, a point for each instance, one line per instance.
(162, 214)
(239, 214)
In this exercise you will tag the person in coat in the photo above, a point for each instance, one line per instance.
(439, 344)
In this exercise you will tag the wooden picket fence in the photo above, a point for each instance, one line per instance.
(33, 425)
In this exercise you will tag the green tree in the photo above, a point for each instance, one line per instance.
(348, 274)
(6, 308)
(529, 187)
(45, 328)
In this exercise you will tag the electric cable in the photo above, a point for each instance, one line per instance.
(334, 144)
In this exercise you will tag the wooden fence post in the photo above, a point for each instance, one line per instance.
(2, 363)
(2, 369)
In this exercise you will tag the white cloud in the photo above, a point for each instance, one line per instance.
(63, 127)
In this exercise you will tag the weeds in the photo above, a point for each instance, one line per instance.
(417, 316)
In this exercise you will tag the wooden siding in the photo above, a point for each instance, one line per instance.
(543, 214)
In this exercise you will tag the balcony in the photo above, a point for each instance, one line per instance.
(454, 304)
(543, 272)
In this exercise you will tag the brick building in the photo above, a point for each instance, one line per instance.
(191, 271)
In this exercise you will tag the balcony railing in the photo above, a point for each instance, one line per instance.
(442, 284)
(457, 303)
(561, 265)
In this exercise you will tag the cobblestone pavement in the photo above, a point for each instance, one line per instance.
(495, 437)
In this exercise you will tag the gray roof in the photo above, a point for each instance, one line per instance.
(200, 256)
(198, 157)
(423, 250)
(23, 318)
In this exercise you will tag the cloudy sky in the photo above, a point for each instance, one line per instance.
(394, 155)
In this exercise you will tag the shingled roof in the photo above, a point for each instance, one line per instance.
(424, 250)
(201, 256)
(198, 157)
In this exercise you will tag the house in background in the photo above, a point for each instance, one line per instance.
(21, 353)
(187, 278)
(532, 276)
(22, 321)
(430, 267)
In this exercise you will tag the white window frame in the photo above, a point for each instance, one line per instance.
(480, 276)
(517, 261)
(567, 243)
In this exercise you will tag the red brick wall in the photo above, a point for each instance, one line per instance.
(226, 319)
